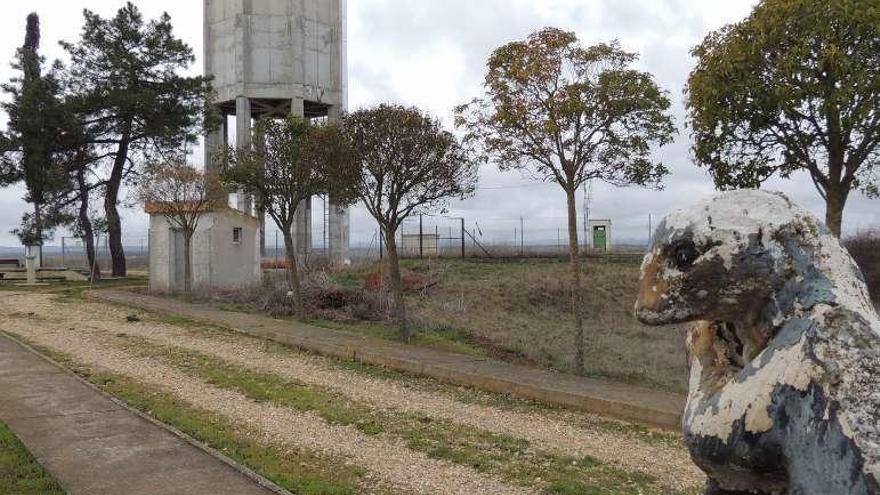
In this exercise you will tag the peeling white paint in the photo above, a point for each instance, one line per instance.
(751, 398)
(837, 357)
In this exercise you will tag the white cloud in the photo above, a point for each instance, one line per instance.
(432, 53)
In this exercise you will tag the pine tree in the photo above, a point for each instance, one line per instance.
(32, 150)
(124, 77)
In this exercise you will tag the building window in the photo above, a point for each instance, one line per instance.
(236, 235)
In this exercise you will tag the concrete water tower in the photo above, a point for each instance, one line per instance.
(271, 58)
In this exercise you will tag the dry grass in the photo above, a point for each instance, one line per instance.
(515, 310)
(523, 307)
(519, 311)
(865, 249)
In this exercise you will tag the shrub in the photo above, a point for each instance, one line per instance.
(865, 249)
(322, 299)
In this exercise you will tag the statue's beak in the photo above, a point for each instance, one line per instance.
(652, 293)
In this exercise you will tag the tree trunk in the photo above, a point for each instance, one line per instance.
(261, 214)
(835, 203)
(292, 271)
(576, 290)
(114, 232)
(111, 199)
(398, 306)
(38, 228)
(85, 224)
(187, 263)
(38, 223)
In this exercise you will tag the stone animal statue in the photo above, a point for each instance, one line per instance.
(785, 355)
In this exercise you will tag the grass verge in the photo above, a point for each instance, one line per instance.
(20, 473)
(442, 339)
(408, 380)
(513, 459)
(296, 470)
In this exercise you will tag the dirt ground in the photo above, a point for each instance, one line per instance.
(100, 337)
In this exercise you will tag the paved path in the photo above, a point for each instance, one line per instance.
(596, 396)
(93, 445)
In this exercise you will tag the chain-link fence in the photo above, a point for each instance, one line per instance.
(432, 236)
(70, 252)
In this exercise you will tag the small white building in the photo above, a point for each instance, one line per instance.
(225, 252)
(600, 235)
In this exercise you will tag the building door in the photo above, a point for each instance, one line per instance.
(178, 246)
(599, 238)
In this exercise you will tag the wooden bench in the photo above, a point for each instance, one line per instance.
(10, 264)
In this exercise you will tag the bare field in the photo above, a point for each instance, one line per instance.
(519, 310)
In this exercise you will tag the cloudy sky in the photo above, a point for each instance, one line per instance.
(432, 53)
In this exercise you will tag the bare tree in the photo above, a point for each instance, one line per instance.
(180, 193)
(408, 163)
(570, 114)
(291, 160)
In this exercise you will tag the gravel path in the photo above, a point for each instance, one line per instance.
(388, 458)
(557, 432)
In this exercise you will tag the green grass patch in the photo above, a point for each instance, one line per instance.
(260, 386)
(297, 470)
(507, 402)
(20, 473)
(513, 459)
(441, 338)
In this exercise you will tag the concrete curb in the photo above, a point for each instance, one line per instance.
(621, 401)
(243, 470)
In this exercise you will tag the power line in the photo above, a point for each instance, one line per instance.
(526, 186)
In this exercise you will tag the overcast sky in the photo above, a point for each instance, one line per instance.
(432, 53)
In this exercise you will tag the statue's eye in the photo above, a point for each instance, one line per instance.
(685, 254)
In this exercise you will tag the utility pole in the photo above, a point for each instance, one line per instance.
(522, 237)
(421, 237)
(588, 199)
(462, 239)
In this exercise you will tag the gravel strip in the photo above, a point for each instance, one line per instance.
(556, 433)
(388, 458)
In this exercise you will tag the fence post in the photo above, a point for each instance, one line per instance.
(522, 238)
(421, 237)
(63, 261)
(462, 239)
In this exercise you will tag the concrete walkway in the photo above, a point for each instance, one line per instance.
(94, 446)
(601, 397)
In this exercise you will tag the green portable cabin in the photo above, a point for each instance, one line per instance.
(600, 235)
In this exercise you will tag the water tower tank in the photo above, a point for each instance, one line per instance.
(272, 58)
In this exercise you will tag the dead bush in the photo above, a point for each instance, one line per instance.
(865, 249)
(322, 299)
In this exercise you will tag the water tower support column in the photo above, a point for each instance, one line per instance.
(302, 225)
(339, 223)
